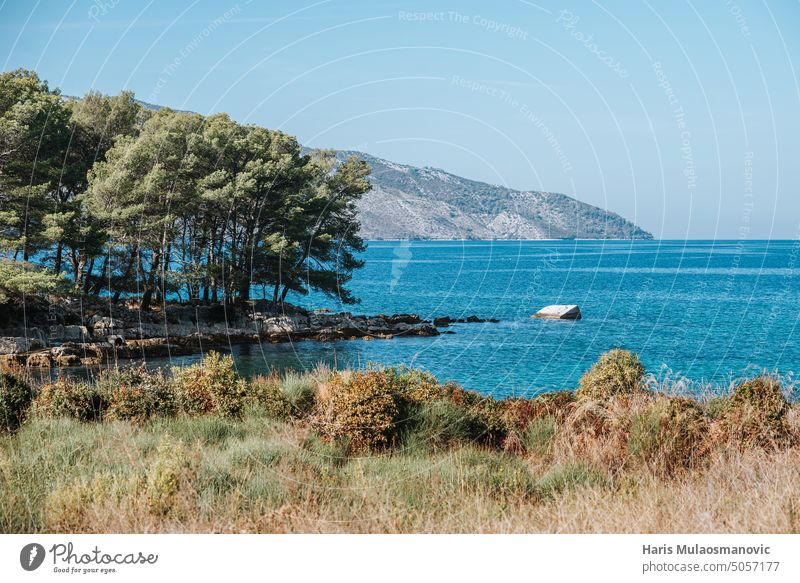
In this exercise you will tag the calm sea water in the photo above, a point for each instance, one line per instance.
(707, 310)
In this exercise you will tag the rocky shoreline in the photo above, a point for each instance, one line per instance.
(69, 332)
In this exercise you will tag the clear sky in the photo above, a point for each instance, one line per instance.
(682, 116)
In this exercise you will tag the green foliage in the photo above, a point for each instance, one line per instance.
(136, 394)
(292, 395)
(299, 390)
(68, 398)
(210, 386)
(617, 372)
(34, 138)
(170, 473)
(440, 424)
(15, 400)
(538, 437)
(668, 436)
(360, 408)
(18, 279)
(266, 394)
(100, 189)
(756, 414)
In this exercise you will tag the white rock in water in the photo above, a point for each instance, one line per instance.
(559, 312)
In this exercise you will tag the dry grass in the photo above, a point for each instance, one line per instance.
(638, 461)
(215, 475)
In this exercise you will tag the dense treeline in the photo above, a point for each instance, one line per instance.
(105, 197)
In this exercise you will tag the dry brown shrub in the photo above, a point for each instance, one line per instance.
(757, 415)
(359, 408)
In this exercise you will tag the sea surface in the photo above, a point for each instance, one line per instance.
(707, 311)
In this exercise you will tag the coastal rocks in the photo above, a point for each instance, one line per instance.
(20, 340)
(559, 312)
(105, 326)
(65, 356)
(15, 344)
(91, 332)
(442, 322)
(69, 333)
(145, 330)
(39, 360)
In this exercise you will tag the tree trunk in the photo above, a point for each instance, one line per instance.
(101, 278)
(127, 274)
(244, 293)
(87, 278)
(59, 252)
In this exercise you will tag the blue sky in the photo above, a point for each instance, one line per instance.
(681, 116)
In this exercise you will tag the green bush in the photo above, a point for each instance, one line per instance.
(756, 414)
(69, 398)
(417, 387)
(538, 436)
(299, 391)
(617, 372)
(266, 394)
(210, 386)
(668, 435)
(438, 424)
(15, 400)
(136, 394)
(172, 472)
(360, 408)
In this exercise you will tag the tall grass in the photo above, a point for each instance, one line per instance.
(393, 451)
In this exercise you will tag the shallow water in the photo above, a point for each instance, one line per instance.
(707, 310)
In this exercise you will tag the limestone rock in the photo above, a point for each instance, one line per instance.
(559, 312)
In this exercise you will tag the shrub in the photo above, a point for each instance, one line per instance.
(15, 400)
(517, 413)
(715, 407)
(617, 372)
(757, 414)
(501, 476)
(668, 435)
(361, 408)
(136, 394)
(68, 398)
(556, 404)
(440, 423)
(417, 386)
(299, 391)
(538, 436)
(490, 420)
(265, 393)
(210, 386)
(172, 472)
(73, 506)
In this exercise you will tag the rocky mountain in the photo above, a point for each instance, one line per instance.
(407, 202)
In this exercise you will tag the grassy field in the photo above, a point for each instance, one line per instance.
(389, 450)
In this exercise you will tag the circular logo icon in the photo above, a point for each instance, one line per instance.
(31, 556)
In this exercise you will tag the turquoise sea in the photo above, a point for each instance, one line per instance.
(706, 310)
